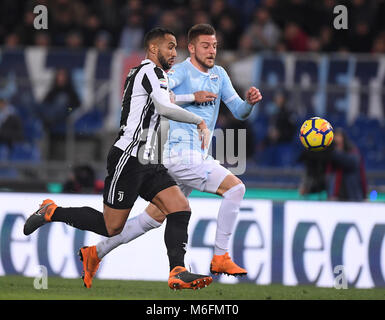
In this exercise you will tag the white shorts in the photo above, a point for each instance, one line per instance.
(192, 171)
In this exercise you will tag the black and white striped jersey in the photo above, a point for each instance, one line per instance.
(139, 119)
(145, 98)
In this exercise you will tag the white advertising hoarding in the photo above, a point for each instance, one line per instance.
(296, 242)
(55, 244)
(324, 240)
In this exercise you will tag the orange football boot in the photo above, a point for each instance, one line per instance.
(91, 261)
(40, 217)
(222, 264)
(180, 278)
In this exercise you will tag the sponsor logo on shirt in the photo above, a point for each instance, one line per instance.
(208, 103)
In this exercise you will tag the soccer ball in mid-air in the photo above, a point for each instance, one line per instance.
(316, 134)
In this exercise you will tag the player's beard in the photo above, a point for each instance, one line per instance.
(204, 64)
(165, 65)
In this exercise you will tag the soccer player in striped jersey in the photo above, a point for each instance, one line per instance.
(183, 155)
(146, 97)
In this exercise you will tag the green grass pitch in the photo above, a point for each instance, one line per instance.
(20, 288)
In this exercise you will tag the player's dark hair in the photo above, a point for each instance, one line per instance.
(155, 33)
(198, 30)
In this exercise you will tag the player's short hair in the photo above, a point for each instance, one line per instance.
(155, 33)
(198, 30)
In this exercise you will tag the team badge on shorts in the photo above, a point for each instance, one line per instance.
(120, 196)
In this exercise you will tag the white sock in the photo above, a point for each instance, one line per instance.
(227, 216)
(133, 228)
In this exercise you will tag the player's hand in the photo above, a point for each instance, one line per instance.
(204, 96)
(172, 96)
(204, 135)
(253, 95)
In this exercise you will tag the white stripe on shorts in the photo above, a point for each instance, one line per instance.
(125, 156)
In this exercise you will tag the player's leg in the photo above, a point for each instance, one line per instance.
(83, 218)
(118, 201)
(209, 176)
(157, 188)
(120, 192)
(232, 190)
(149, 219)
(107, 223)
(125, 176)
(132, 229)
(114, 220)
(174, 205)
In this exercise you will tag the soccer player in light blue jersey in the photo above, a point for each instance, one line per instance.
(199, 85)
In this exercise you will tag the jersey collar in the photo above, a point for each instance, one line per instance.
(147, 61)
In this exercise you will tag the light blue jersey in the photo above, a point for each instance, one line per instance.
(185, 78)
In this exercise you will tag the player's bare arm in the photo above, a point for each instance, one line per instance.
(204, 96)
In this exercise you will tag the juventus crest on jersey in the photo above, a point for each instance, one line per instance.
(139, 119)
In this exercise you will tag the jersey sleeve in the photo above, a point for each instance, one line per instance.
(153, 80)
(238, 107)
(181, 99)
(176, 76)
(154, 85)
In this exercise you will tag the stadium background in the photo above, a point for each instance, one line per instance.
(286, 48)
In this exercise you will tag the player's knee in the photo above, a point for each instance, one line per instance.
(182, 204)
(179, 203)
(236, 193)
(114, 230)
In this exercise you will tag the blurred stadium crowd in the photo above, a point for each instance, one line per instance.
(244, 25)
(35, 129)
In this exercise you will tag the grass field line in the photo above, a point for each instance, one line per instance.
(19, 287)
